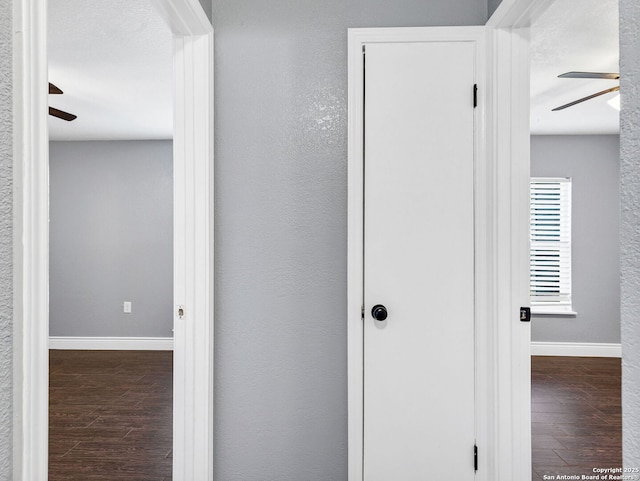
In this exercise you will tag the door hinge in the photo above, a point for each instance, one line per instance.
(475, 95)
(525, 314)
(362, 313)
(364, 49)
(475, 457)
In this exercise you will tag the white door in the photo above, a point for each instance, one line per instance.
(419, 363)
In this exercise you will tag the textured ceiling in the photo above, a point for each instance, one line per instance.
(113, 60)
(580, 35)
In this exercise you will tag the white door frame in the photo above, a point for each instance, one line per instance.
(484, 280)
(509, 146)
(505, 448)
(193, 240)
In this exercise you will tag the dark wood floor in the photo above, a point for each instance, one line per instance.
(576, 415)
(110, 415)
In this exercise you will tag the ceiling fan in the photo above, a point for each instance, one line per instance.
(59, 113)
(589, 75)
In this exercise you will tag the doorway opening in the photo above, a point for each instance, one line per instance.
(110, 240)
(576, 371)
(192, 299)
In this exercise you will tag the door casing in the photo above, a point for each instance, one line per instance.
(502, 282)
(193, 240)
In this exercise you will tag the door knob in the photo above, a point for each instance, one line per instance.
(379, 312)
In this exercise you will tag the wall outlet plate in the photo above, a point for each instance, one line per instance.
(127, 307)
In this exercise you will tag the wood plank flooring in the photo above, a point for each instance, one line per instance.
(110, 415)
(576, 415)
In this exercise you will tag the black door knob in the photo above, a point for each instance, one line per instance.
(379, 312)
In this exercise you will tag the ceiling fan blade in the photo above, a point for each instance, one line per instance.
(54, 90)
(596, 75)
(570, 104)
(62, 115)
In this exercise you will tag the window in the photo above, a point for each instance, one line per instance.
(551, 246)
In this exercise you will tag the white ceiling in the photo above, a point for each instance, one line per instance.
(113, 60)
(574, 35)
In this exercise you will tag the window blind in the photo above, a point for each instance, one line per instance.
(551, 244)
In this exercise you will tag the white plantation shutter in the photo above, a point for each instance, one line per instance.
(551, 245)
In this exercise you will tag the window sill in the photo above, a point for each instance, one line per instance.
(553, 313)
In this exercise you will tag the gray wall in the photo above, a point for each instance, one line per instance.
(6, 241)
(281, 228)
(630, 227)
(111, 238)
(592, 162)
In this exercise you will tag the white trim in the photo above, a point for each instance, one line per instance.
(355, 265)
(185, 18)
(32, 199)
(193, 149)
(580, 349)
(193, 259)
(112, 343)
(510, 457)
(552, 313)
(509, 138)
(357, 38)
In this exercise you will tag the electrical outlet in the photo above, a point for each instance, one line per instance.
(127, 307)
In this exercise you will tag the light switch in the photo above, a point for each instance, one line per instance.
(127, 307)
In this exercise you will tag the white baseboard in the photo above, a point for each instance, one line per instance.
(112, 343)
(584, 349)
